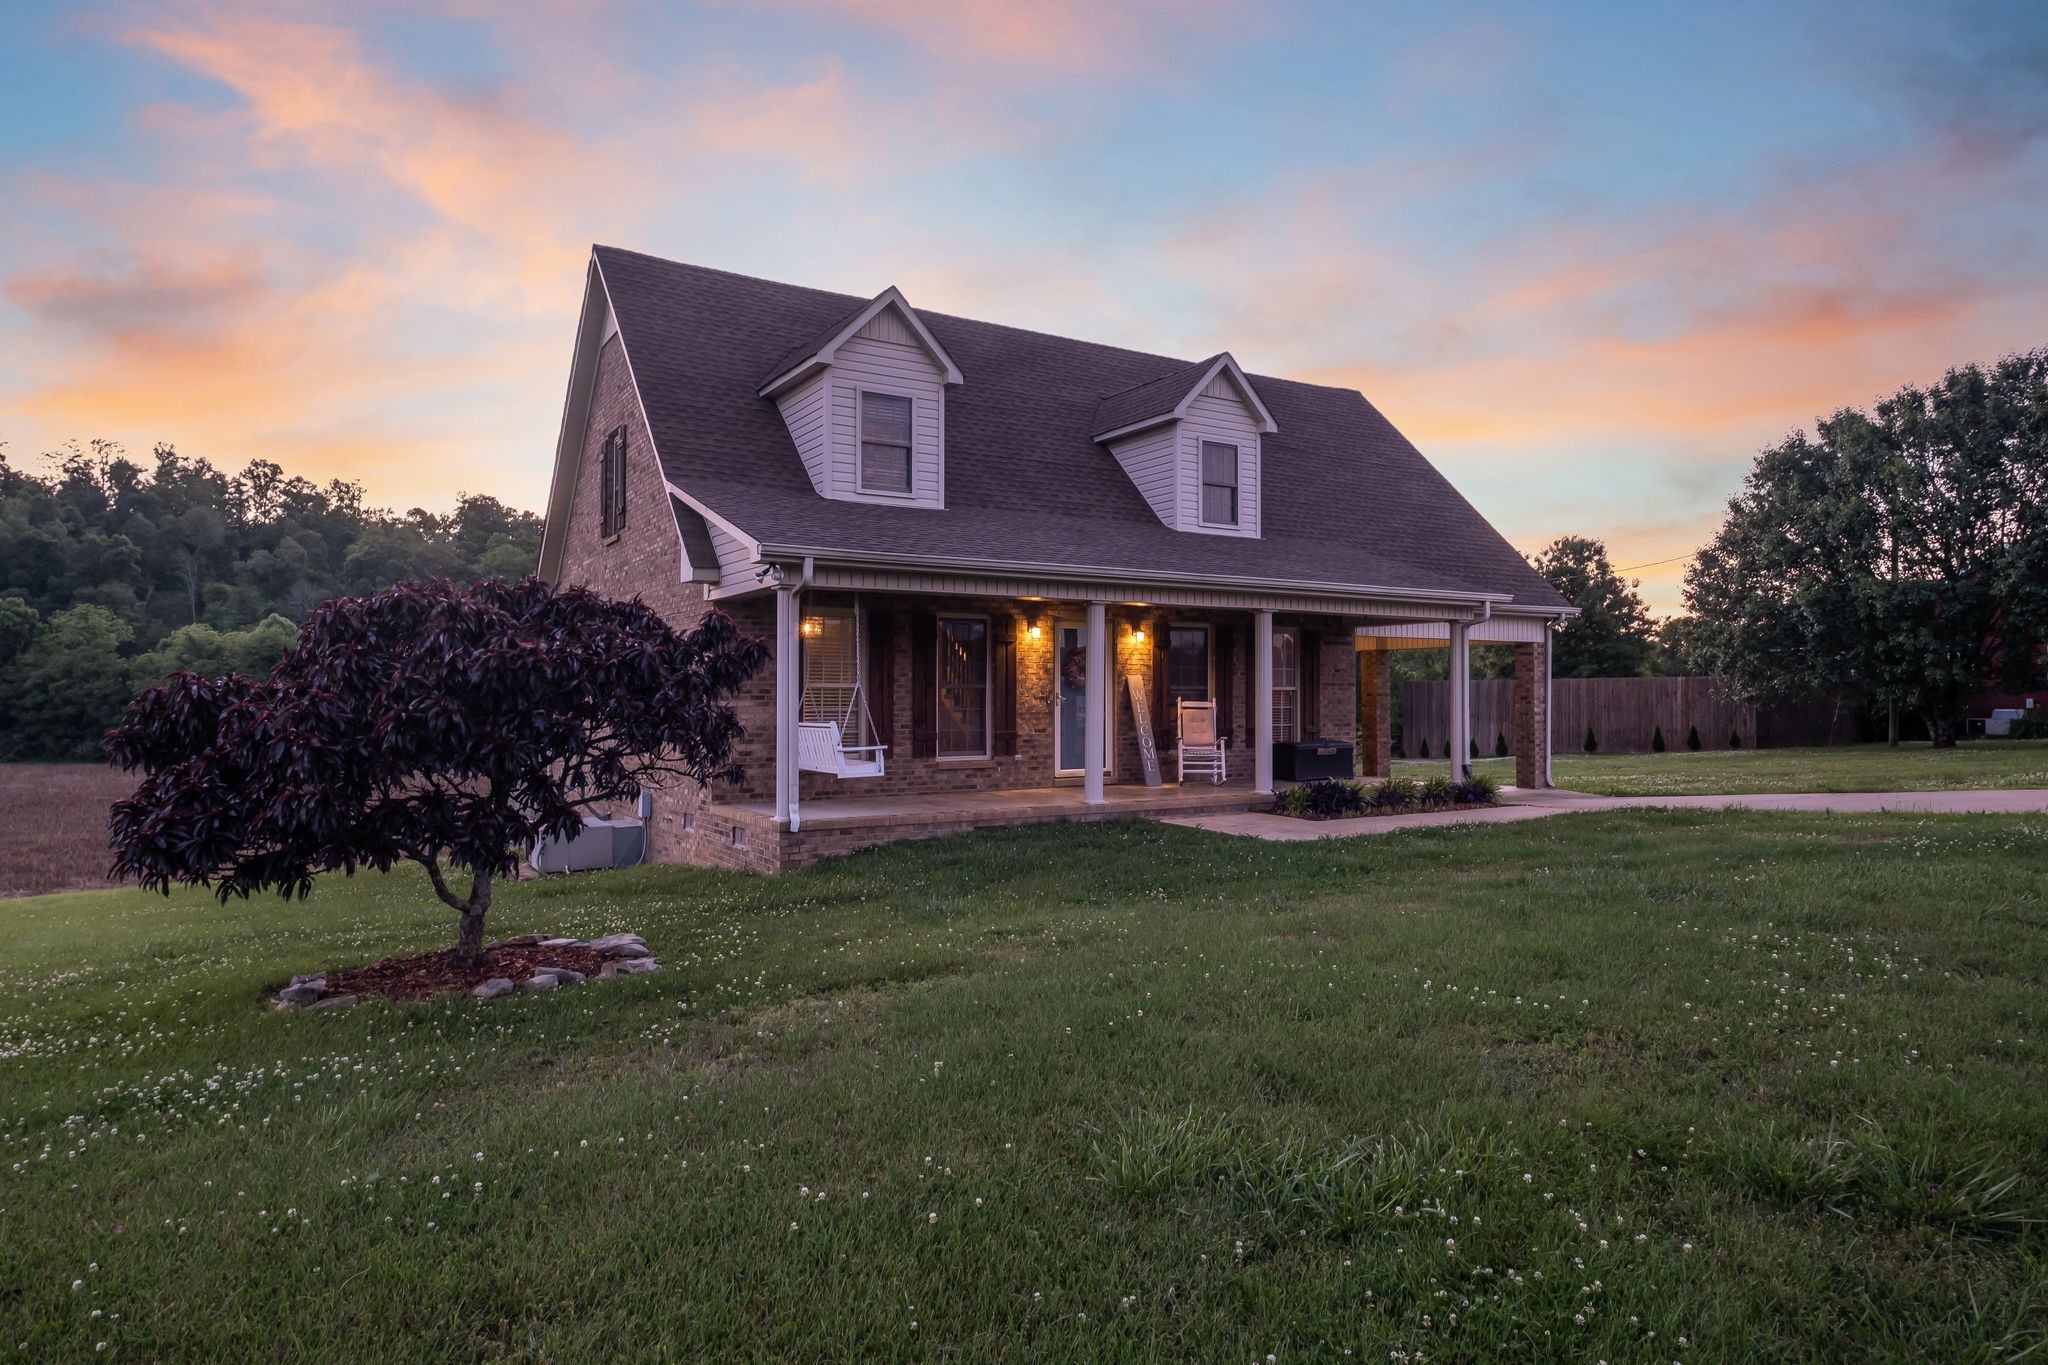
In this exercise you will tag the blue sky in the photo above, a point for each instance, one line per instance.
(1588, 257)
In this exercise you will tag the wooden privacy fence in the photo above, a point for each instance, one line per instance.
(1624, 715)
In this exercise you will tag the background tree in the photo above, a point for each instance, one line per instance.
(1613, 635)
(446, 725)
(1892, 558)
(172, 544)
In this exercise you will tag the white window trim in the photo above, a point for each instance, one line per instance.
(1202, 485)
(988, 686)
(860, 469)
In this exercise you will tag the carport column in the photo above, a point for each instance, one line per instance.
(1262, 701)
(1375, 710)
(787, 705)
(1095, 737)
(1461, 701)
(1532, 713)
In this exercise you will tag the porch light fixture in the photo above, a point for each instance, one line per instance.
(1036, 632)
(1137, 637)
(811, 625)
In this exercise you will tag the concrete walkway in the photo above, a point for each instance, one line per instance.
(1518, 804)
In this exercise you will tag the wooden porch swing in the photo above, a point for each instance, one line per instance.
(834, 703)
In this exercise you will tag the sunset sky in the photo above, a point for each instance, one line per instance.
(1589, 257)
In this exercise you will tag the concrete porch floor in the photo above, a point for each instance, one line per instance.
(1014, 806)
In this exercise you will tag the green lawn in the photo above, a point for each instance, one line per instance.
(1976, 766)
(1646, 1085)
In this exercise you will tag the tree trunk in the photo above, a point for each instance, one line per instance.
(469, 933)
(469, 937)
(1891, 724)
(1941, 730)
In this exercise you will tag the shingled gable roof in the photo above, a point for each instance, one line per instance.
(819, 350)
(1166, 398)
(1349, 504)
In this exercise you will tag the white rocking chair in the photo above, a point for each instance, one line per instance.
(1202, 750)
(831, 708)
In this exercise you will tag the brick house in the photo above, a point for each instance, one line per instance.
(937, 524)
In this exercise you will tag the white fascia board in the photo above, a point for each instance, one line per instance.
(892, 297)
(1225, 362)
(593, 326)
(1476, 601)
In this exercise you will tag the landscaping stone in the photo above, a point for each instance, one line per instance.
(626, 950)
(315, 979)
(539, 981)
(568, 976)
(523, 941)
(634, 966)
(562, 943)
(495, 987)
(301, 993)
(523, 962)
(335, 1002)
(611, 941)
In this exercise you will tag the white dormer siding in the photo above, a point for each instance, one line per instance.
(1150, 459)
(884, 350)
(1164, 461)
(1219, 413)
(868, 363)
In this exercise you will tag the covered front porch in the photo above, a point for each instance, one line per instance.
(961, 703)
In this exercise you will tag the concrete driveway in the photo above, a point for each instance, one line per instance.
(1534, 804)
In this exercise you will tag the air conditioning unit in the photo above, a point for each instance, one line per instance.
(599, 844)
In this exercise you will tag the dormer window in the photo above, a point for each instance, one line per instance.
(865, 404)
(1219, 483)
(884, 443)
(1191, 442)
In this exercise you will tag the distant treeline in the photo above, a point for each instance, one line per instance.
(115, 573)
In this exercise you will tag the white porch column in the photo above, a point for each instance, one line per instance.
(1262, 702)
(788, 679)
(1461, 701)
(1095, 705)
(1543, 653)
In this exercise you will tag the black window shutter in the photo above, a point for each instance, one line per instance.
(619, 498)
(924, 685)
(604, 490)
(1311, 684)
(1226, 680)
(881, 667)
(1002, 683)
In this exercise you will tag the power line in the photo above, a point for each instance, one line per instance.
(1654, 563)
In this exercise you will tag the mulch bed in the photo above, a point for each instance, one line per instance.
(416, 978)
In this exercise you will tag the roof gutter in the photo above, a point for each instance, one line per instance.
(1088, 573)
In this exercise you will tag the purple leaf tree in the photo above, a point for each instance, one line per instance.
(451, 726)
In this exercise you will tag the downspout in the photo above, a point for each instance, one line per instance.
(796, 599)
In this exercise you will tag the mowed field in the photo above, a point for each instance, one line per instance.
(1635, 1086)
(53, 825)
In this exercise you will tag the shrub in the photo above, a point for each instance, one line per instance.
(1500, 745)
(1692, 739)
(2031, 726)
(1476, 790)
(1394, 793)
(1592, 742)
(1438, 791)
(1328, 797)
(1657, 740)
(1325, 798)
(1734, 740)
(1422, 749)
(1475, 748)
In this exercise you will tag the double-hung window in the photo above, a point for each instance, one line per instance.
(1187, 663)
(831, 673)
(963, 687)
(612, 499)
(1219, 483)
(884, 443)
(1286, 683)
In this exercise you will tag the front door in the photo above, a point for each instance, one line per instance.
(1070, 707)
